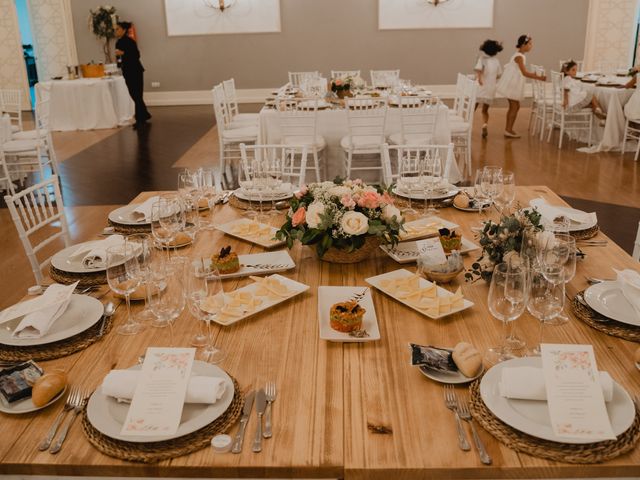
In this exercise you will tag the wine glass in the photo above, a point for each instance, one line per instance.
(566, 259)
(507, 300)
(409, 177)
(142, 247)
(432, 176)
(491, 182)
(259, 184)
(167, 298)
(189, 184)
(546, 297)
(123, 276)
(274, 173)
(167, 217)
(508, 192)
(206, 300)
(191, 218)
(210, 194)
(478, 195)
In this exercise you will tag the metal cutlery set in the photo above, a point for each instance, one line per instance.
(461, 412)
(263, 399)
(75, 403)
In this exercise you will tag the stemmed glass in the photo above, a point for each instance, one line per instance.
(123, 276)
(167, 219)
(546, 297)
(274, 172)
(210, 193)
(507, 300)
(206, 299)
(189, 184)
(432, 175)
(167, 296)
(508, 192)
(409, 178)
(491, 183)
(478, 194)
(559, 252)
(142, 247)
(259, 183)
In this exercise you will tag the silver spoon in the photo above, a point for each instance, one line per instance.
(109, 310)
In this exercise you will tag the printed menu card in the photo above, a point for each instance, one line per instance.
(157, 403)
(574, 394)
(431, 251)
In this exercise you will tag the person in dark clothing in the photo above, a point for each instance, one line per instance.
(132, 70)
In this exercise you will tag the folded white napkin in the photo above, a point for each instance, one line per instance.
(527, 383)
(54, 303)
(629, 282)
(549, 212)
(94, 254)
(121, 384)
(143, 211)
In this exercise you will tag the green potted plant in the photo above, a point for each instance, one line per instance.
(102, 22)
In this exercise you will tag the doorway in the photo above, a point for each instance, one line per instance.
(26, 37)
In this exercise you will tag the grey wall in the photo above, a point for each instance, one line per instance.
(335, 34)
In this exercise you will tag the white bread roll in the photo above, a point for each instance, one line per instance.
(467, 359)
(47, 387)
(461, 200)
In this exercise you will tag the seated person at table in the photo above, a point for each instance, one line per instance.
(575, 96)
(632, 107)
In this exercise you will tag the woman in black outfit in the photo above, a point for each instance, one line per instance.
(132, 70)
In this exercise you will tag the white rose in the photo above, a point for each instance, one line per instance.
(339, 191)
(389, 211)
(313, 214)
(546, 240)
(354, 223)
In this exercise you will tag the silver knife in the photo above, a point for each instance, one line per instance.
(261, 405)
(246, 412)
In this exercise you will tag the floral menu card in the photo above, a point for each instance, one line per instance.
(157, 403)
(574, 393)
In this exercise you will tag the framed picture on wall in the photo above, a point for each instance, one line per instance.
(211, 17)
(416, 14)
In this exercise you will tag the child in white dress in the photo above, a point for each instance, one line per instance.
(632, 107)
(512, 82)
(575, 96)
(487, 69)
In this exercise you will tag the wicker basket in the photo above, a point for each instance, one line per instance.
(91, 70)
(335, 255)
(439, 277)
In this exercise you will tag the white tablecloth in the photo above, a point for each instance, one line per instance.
(332, 125)
(609, 137)
(88, 103)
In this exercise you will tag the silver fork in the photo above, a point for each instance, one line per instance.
(451, 403)
(78, 405)
(270, 392)
(71, 399)
(465, 414)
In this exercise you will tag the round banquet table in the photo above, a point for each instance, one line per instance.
(87, 103)
(332, 125)
(610, 136)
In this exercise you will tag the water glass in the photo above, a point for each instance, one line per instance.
(432, 176)
(142, 246)
(123, 276)
(410, 176)
(508, 192)
(546, 297)
(166, 292)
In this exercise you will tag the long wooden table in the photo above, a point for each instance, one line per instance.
(329, 392)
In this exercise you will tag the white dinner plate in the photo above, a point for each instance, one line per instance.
(257, 264)
(400, 273)
(123, 215)
(284, 192)
(454, 378)
(266, 241)
(328, 296)
(532, 416)
(573, 226)
(26, 404)
(82, 313)
(425, 228)
(407, 252)
(308, 104)
(63, 261)
(447, 191)
(472, 209)
(607, 299)
(107, 415)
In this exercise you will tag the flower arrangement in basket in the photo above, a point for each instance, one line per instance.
(345, 220)
(501, 242)
(342, 86)
(102, 23)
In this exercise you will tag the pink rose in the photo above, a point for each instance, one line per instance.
(302, 192)
(348, 201)
(369, 200)
(386, 199)
(299, 217)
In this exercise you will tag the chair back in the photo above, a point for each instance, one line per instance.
(11, 103)
(220, 109)
(299, 118)
(557, 91)
(33, 211)
(366, 117)
(292, 161)
(335, 74)
(230, 97)
(457, 100)
(539, 86)
(418, 117)
(384, 78)
(296, 79)
(467, 102)
(392, 156)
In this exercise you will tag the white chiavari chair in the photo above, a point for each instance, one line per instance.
(11, 103)
(293, 161)
(236, 118)
(42, 131)
(418, 121)
(541, 105)
(636, 246)
(344, 73)
(39, 221)
(229, 139)
(298, 121)
(393, 154)
(455, 113)
(575, 123)
(296, 79)
(461, 130)
(384, 78)
(366, 119)
(631, 132)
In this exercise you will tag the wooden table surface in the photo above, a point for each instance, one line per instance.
(329, 392)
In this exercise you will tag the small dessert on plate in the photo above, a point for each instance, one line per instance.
(226, 261)
(450, 240)
(346, 316)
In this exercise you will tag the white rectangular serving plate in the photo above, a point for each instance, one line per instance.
(228, 229)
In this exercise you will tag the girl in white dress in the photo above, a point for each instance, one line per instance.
(511, 84)
(632, 107)
(575, 96)
(487, 69)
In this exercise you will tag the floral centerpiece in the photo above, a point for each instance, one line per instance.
(345, 220)
(342, 86)
(502, 241)
(102, 23)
